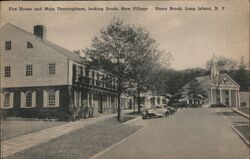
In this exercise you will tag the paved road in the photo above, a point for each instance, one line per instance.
(201, 133)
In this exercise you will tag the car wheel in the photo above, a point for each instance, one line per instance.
(167, 114)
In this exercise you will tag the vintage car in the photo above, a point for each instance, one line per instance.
(172, 110)
(155, 113)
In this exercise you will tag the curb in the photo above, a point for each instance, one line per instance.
(133, 120)
(51, 137)
(241, 113)
(237, 132)
(114, 145)
(241, 136)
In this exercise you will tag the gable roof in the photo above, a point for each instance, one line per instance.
(69, 54)
(205, 81)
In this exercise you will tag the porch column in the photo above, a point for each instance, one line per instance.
(88, 99)
(212, 100)
(238, 95)
(221, 96)
(92, 99)
(236, 98)
(230, 98)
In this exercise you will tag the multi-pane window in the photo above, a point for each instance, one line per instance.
(7, 45)
(52, 99)
(29, 70)
(29, 99)
(6, 100)
(29, 44)
(52, 68)
(7, 71)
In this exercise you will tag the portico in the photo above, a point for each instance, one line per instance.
(226, 96)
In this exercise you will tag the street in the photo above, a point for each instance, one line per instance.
(195, 133)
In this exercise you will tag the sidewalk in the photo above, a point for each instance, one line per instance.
(241, 113)
(20, 143)
(238, 122)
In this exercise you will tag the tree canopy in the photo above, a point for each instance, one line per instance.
(126, 52)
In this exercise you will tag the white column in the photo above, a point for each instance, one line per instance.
(212, 100)
(236, 99)
(92, 99)
(221, 96)
(230, 98)
(238, 92)
(88, 99)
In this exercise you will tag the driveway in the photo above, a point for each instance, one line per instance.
(195, 133)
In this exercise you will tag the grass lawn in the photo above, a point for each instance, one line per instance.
(15, 128)
(134, 113)
(244, 129)
(245, 110)
(82, 143)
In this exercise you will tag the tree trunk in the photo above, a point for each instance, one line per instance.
(138, 97)
(134, 102)
(119, 106)
(139, 102)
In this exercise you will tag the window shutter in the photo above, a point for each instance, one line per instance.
(34, 99)
(11, 99)
(45, 98)
(80, 98)
(57, 98)
(2, 100)
(74, 98)
(81, 70)
(74, 72)
(23, 100)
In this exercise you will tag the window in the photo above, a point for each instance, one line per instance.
(243, 104)
(52, 99)
(52, 68)
(7, 45)
(29, 99)
(7, 71)
(6, 100)
(29, 44)
(28, 70)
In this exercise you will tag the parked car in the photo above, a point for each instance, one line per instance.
(155, 113)
(172, 110)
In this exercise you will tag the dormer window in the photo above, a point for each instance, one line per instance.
(29, 44)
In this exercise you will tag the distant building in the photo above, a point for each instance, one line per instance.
(151, 100)
(42, 79)
(244, 99)
(219, 88)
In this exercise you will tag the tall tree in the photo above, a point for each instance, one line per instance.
(117, 49)
(222, 63)
(242, 76)
(195, 91)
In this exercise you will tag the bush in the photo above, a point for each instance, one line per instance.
(218, 105)
(3, 114)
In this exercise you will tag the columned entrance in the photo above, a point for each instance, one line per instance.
(229, 97)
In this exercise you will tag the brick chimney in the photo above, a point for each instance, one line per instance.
(40, 31)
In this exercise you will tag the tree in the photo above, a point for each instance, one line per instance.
(117, 49)
(194, 90)
(222, 63)
(242, 75)
(143, 68)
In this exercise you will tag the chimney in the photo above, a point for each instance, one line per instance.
(40, 31)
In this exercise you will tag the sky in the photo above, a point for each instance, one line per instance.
(192, 37)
